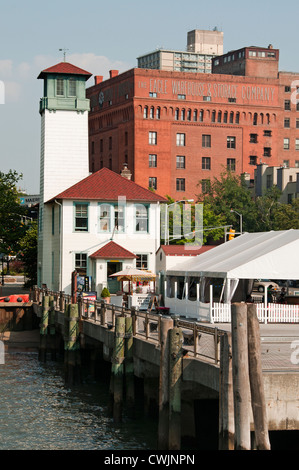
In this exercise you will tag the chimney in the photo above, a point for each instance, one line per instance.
(126, 172)
(98, 79)
(113, 73)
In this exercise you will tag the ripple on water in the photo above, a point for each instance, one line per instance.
(38, 412)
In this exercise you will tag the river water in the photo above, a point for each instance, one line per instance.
(38, 412)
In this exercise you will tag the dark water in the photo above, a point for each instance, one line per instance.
(38, 412)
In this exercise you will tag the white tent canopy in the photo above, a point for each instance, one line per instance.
(264, 255)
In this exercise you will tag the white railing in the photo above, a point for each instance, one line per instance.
(221, 313)
(271, 313)
(214, 312)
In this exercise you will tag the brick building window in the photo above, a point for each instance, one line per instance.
(152, 138)
(231, 142)
(287, 105)
(180, 161)
(287, 122)
(267, 152)
(152, 182)
(297, 123)
(181, 140)
(253, 138)
(252, 160)
(267, 133)
(286, 144)
(206, 163)
(152, 161)
(286, 164)
(206, 140)
(297, 144)
(180, 184)
(231, 164)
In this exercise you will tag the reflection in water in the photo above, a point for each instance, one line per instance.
(38, 412)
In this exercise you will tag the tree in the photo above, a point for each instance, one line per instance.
(227, 192)
(286, 216)
(12, 228)
(28, 254)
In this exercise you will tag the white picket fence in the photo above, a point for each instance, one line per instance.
(272, 313)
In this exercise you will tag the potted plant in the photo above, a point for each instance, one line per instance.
(105, 294)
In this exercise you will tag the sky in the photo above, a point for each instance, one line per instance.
(100, 36)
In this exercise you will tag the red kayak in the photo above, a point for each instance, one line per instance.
(15, 298)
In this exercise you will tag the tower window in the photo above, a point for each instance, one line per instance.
(59, 87)
(72, 87)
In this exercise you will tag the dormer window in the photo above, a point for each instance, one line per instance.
(59, 87)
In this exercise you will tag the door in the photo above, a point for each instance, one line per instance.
(112, 268)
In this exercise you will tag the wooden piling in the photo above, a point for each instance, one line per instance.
(258, 402)
(52, 330)
(72, 346)
(226, 397)
(117, 368)
(175, 378)
(44, 329)
(241, 387)
(129, 366)
(163, 426)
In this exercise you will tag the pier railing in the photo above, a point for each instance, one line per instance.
(199, 340)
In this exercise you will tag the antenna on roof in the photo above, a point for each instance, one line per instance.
(64, 52)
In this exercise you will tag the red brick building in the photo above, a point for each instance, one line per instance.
(174, 129)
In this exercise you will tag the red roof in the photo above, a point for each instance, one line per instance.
(112, 250)
(106, 185)
(65, 68)
(183, 250)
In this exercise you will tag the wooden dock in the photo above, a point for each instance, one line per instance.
(181, 362)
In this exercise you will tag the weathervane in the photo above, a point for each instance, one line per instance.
(64, 52)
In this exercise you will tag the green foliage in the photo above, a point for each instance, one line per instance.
(105, 293)
(11, 227)
(227, 192)
(28, 254)
(259, 214)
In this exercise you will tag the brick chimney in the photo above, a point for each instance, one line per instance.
(126, 172)
(113, 73)
(98, 79)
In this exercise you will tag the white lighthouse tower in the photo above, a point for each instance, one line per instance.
(64, 149)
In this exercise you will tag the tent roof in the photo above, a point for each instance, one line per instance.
(264, 255)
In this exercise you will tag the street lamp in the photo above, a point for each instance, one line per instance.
(166, 231)
(241, 220)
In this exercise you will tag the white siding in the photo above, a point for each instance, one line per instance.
(64, 151)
